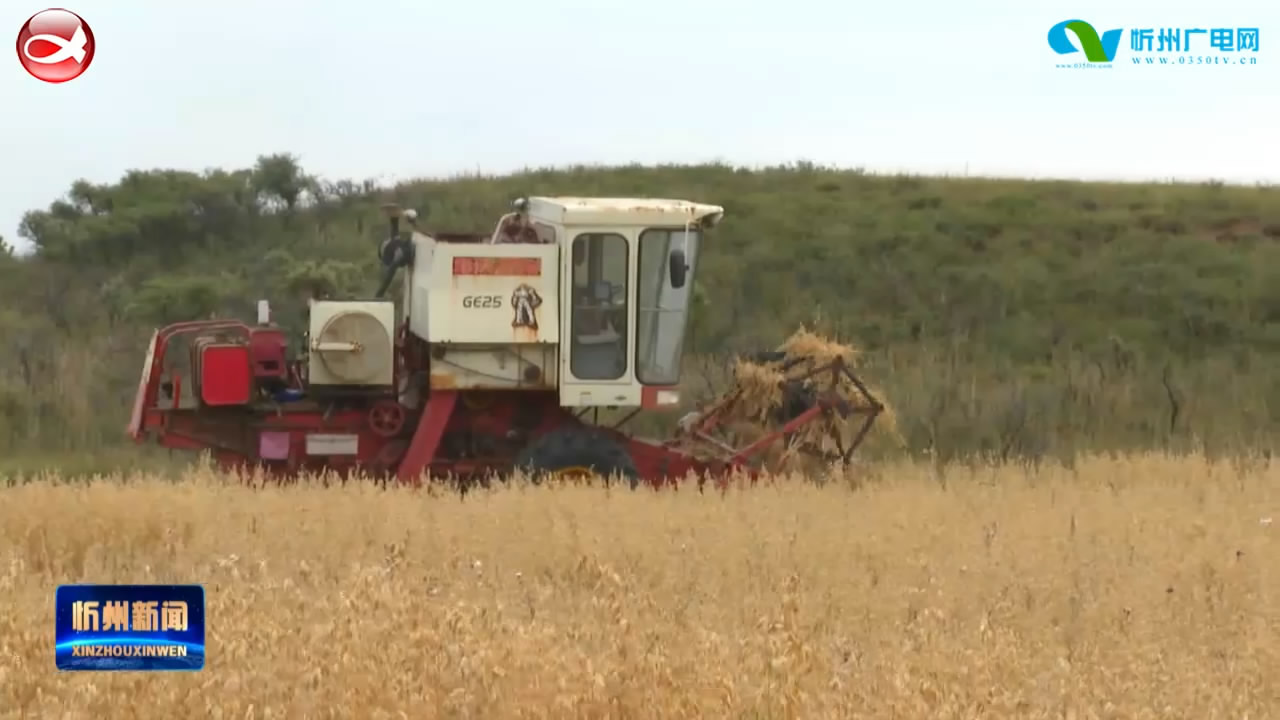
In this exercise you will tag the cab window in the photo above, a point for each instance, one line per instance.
(598, 334)
(662, 315)
(546, 233)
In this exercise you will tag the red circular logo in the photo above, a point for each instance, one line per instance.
(55, 45)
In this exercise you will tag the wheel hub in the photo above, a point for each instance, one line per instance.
(387, 418)
(572, 472)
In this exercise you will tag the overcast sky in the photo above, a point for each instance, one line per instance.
(415, 88)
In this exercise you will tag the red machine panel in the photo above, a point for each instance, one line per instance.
(267, 348)
(225, 375)
(516, 266)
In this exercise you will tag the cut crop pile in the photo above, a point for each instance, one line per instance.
(765, 395)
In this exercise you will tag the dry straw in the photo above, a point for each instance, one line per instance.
(1136, 587)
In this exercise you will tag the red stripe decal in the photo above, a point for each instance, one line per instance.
(522, 266)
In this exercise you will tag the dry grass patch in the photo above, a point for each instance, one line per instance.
(1134, 588)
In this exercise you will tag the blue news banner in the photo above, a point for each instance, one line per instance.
(129, 627)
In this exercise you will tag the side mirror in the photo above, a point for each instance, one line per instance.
(677, 268)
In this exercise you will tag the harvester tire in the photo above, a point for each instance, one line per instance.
(577, 447)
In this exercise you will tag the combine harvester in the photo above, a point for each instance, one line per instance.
(504, 344)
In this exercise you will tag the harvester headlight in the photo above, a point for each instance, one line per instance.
(668, 397)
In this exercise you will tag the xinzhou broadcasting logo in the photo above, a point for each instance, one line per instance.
(1097, 48)
(55, 45)
(1221, 46)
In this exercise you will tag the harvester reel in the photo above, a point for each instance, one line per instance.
(824, 385)
(816, 400)
(797, 397)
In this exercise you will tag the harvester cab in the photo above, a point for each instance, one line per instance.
(502, 345)
(588, 298)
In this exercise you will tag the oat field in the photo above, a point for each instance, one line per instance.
(1146, 587)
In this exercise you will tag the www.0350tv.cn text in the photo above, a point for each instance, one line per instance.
(1193, 60)
(1165, 60)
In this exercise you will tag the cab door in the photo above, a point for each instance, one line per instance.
(597, 294)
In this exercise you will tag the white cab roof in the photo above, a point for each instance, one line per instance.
(619, 211)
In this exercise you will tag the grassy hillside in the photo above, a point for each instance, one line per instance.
(1000, 316)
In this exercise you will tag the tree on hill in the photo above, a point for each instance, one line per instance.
(279, 181)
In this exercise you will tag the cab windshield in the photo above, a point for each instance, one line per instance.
(663, 312)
